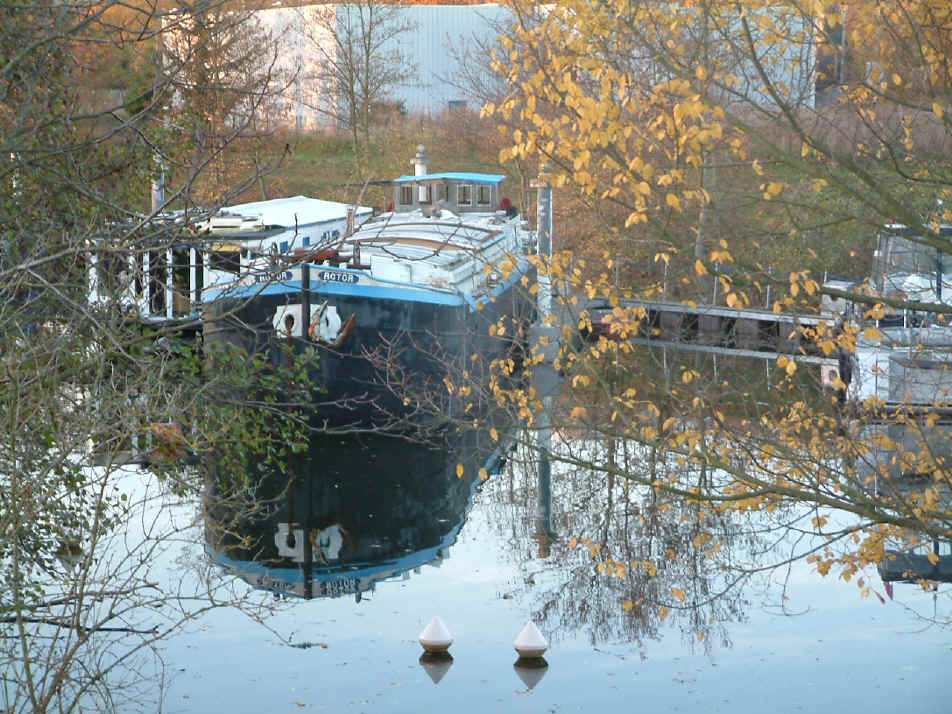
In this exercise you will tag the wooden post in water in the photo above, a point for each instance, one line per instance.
(545, 534)
(307, 526)
(305, 300)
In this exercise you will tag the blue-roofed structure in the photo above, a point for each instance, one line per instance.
(467, 176)
(458, 191)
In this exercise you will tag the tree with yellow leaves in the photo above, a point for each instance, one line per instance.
(697, 131)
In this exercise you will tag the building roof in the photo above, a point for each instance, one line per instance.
(454, 176)
(295, 209)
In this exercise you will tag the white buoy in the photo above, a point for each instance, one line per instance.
(530, 642)
(435, 637)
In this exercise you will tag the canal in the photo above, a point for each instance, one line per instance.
(387, 535)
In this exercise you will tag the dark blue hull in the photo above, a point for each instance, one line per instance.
(389, 371)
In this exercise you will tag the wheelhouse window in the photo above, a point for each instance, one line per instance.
(443, 192)
(426, 193)
(484, 195)
(464, 195)
(406, 195)
(225, 260)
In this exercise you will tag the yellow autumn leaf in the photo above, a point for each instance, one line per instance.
(699, 268)
(731, 299)
(493, 434)
(673, 201)
(627, 605)
(937, 109)
(573, 543)
(483, 474)
(663, 613)
(787, 364)
(578, 412)
(459, 470)
(678, 593)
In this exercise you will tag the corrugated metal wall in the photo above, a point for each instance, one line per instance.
(444, 36)
(437, 41)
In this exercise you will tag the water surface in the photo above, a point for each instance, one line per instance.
(785, 640)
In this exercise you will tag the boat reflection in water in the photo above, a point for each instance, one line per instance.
(358, 512)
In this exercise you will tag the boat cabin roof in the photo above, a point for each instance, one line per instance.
(459, 176)
(280, 212)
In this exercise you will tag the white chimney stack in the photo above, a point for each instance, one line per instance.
(419, 165)
(420, 162)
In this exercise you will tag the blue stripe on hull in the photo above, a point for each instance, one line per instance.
(381, 292)
(244, 292)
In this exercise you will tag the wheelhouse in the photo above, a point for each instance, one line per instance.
(460, 192)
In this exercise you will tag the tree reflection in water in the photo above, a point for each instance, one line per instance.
(625, 558)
